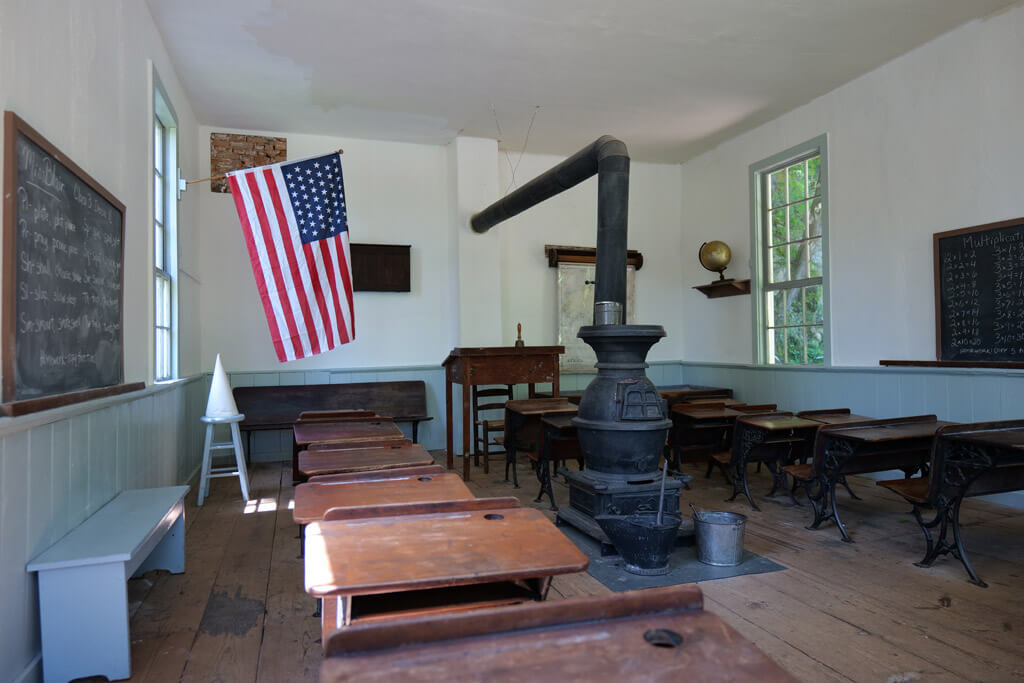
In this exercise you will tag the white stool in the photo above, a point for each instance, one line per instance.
(235, 444)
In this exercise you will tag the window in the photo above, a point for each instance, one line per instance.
(165, 233)
(789, 198)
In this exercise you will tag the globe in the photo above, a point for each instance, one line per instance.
(715, 256)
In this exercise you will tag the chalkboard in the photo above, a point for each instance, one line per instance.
(979, 293)
(63, 257)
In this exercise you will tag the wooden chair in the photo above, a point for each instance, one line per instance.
(486, 399)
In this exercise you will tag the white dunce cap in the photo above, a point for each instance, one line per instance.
(221, 403)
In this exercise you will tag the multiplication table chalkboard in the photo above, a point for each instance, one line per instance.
(63, 251)
(979, 293)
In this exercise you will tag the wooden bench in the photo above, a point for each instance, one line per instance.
(279, 407)
(83, 599)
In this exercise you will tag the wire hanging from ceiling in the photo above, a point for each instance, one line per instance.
(526, 140)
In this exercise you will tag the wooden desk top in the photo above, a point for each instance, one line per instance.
(698, 412)
(334, 432)
(598, 638)
(727, 402)
(313, 500)
(1000, 438)
(774, 423)
(541, 406)
(491, 351)
(838, 418)
(313, 463)
(560, 422)
(419, 551)
(889, 432)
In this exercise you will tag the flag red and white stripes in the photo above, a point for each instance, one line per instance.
(294, 219)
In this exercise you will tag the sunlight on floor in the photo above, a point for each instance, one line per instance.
(260, 505)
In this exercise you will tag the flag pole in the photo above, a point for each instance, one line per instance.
(223, 175)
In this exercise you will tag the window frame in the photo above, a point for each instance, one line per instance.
(162, 111)
(760, 286)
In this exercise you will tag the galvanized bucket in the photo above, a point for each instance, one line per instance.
(720, 537)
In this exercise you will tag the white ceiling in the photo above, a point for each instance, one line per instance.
(671, 78)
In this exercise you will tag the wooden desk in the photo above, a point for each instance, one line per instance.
(762, 438)
(967, 460)
(361, 430)
(658, 634)
(418, 562)
(523, 429)
(312, 500)
(836, 418)
(876, 446)
(493, 365)
(318, 463)
(698, 430)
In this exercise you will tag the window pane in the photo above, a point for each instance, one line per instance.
(798, 221)
(797, 179)
(814, 217)
(158, 299)
(779, 226)
(167, 303)
(815, 345)
(158, 246)
(794, 306)
(158, 144)
(815, 309)
(795, 345)
(778, 353)
(158, 197)
(777, 182)
(777, 307)
(798, 261)
(814, 176)
(779, 270)
(814, 247)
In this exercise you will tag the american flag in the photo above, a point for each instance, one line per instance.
(296, 228)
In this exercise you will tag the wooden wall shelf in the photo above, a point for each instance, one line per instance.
(558, 253)
(720, 288)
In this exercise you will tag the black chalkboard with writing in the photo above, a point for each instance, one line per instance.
(979, 293)
(63, 261)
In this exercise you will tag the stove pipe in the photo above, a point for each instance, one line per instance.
(608, 158)
(622, 421)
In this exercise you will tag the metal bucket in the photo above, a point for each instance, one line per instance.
(720, 537)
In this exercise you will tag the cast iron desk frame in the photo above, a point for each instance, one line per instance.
(474, 366)
(901, 443)
(966, 456)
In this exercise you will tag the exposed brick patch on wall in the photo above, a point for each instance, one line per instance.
(231, 152)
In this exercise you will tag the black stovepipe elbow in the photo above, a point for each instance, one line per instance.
(608, 158)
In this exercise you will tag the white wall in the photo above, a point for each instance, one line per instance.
(397, 193)
(928, 142)
(529, 285)
(79, 73)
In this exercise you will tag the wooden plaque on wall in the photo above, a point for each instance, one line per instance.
(381, 267)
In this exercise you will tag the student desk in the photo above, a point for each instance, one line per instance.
(523, 429)
(761, 438)
(363, 431)
(698, 428)
(380, 563)
(312, 500)
(659, 634)
(836, 418)
(900, 443)
(321, 462)
(470, 367)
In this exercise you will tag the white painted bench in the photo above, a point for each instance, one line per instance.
(83, 598)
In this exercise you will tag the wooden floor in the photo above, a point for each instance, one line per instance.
(839, 611)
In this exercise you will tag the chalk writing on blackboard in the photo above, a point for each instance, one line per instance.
(63, 255)
(980, 292)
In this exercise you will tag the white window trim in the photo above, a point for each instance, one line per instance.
(757, 171)
(171, 229)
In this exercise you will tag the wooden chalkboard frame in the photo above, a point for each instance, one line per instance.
(13, 127)
(936, 238)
